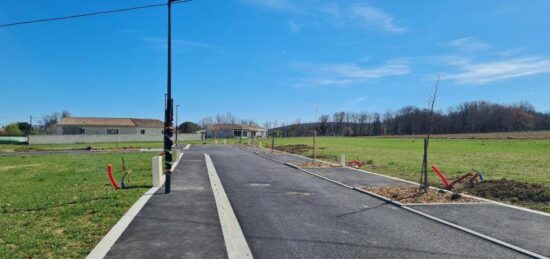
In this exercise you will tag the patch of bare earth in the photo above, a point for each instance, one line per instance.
(299, 148)
(510, 190)
(408, 195)
(314, 165)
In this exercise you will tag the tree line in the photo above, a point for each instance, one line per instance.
(45, 125)
(468, 117)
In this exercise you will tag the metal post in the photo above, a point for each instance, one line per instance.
(168, 113)
(272, 141)
(177, 125)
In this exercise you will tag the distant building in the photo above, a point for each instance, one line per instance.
(109, 126)
(234, 130)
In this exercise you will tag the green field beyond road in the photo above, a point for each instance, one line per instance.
(94, 146)
(59, 206)
(522, 160)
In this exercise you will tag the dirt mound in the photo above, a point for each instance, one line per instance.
(299, 148)
(314, 165)
(407, 195)
(510, 190)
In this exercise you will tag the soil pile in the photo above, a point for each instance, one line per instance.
(407, 195)
(299, 148)
(510, 190)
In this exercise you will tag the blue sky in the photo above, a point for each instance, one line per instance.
(271, 59)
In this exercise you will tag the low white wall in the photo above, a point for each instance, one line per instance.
(71, 139)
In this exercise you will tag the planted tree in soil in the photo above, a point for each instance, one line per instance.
(424, 183)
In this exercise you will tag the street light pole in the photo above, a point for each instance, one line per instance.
(177, 125)
(168, 112)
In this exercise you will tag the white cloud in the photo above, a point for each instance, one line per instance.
(294, 27)
(372, 18)
(161, 42)
(332, 9)
(334, 14)
(482, 73)
(468, 45)
(358, 100)
(279, 5)
(348, 74)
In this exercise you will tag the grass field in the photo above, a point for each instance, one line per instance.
(98, 146)
(522, 160)
(59, 206)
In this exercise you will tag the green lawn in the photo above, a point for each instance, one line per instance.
(99, 146)
(522, 160)
(58, 206)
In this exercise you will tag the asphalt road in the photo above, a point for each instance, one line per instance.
(527, 230)
(288, 214)
(182, 224)
(524, 229)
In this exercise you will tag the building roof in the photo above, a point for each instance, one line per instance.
(123, 122)
(148, 123)
(234, 127)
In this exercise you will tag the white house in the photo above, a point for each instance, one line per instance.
(234, 130)
(109, 126)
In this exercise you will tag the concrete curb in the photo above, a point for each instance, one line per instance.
(235, 242)
(103, 247)
(438, 220)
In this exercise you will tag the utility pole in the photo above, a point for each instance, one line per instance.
(168, 112)
(177, 125)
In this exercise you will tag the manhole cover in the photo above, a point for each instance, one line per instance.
(259, 184)
(299, 193)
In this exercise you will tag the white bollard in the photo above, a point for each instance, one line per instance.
(248, 141)
(260, 144)
(216, 141)
(343, 160)
(158, 174)
(224, 141)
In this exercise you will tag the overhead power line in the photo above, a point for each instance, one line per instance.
(90, 14)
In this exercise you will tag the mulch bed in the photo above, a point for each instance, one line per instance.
(407, 195)
(299, 148)
(314, 165)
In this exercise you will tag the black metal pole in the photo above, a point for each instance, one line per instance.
(168, 113)
(177, 125)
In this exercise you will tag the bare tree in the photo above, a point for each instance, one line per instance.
(205, 121)
(338, 118)
(362, 123)
(323, 124)
(424, 184)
